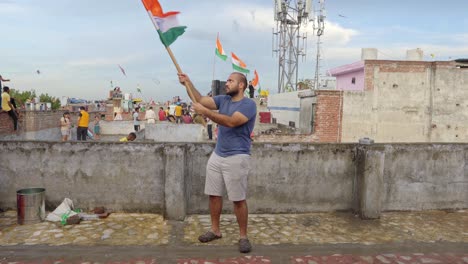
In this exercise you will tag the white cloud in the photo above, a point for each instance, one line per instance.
(11, 8)
(336, 35)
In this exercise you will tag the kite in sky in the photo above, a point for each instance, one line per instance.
(122, 70)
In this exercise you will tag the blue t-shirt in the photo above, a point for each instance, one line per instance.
(235, 140)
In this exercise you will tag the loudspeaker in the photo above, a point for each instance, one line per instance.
(218, 87)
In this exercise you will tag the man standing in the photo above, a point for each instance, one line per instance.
(8, 107)
(162, 114)
(83, 122)
(3, 80)
(178, 113)
(229, 164)
(251, 90)
(136, 121)
(150, 116)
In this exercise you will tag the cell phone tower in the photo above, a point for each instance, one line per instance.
(288, 42)
(319, 27)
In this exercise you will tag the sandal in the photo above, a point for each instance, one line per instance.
(208, 236)
(244, 245)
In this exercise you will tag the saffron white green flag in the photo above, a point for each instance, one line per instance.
(255, 80)
(219, 50)
(238, 65)
(168, 26)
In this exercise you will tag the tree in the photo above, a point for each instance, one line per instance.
(22, 97)
(305, 84)
(46, 98)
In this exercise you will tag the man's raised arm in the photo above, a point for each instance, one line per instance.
(206, 101)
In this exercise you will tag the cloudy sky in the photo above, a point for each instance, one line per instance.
(78, 45)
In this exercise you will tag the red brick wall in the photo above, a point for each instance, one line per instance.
(35, 121)
(328, 116)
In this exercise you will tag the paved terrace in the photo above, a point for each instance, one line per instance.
(397, 237)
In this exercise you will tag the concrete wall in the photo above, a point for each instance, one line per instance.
(408, 101)
(425, 176)
(449, 119)
(170, 132)
(126, 177)
(285, 107)
(169, 178)
(119, 127)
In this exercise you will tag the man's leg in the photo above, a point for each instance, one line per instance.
(210, 132)
(214, 187)
(78, 133)
(12, 114)
(216, 205)
(242, 215)
(83, 134)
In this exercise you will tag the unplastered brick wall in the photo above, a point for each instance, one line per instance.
(328, 116)
(31, 121)
(6, 123)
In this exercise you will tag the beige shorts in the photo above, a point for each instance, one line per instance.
(65, 132)
(231, 173)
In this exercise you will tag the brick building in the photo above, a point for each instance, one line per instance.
(399, 101)
(386, 100)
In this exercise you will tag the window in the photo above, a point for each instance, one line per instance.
(353, 80)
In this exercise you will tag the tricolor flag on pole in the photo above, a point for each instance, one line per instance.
(255, 80)
(238, 65)
(219, 50)
(166, 23)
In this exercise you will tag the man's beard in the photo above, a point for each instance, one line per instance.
(233, 93)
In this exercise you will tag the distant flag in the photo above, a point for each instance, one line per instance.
(219, 50)
(167, 25)
(238, 65)
(122, 70)
(432, 55)
(255, 80)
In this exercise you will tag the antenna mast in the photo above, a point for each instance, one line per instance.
(288, 43)
(319, 27)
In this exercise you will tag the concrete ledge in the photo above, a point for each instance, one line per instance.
(285, 178)
(170, 132)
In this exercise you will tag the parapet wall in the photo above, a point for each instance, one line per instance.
(169, 177)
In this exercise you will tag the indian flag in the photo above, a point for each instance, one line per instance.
(166, 23)
(255, 80)
(238, 65)
(219, 50)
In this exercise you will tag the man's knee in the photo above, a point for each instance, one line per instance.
(240, 203)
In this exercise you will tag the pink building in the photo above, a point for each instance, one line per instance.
(349, 77)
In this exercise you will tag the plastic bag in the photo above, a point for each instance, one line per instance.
(62, 212)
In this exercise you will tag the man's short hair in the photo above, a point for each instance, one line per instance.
(242, 79)
(82, 108)
(6, 88)
(132, 134)
(151, 107)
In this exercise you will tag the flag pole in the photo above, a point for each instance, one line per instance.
(188, 86)
(214, 61)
